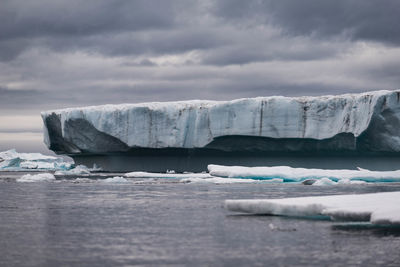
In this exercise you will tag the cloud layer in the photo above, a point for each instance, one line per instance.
(60, 53)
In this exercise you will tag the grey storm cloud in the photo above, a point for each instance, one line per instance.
(375, 20)
(21, 18)
(220, 28)
(23, 22)
(58, 53)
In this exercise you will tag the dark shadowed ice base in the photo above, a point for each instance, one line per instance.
(162, 222)
(371, 150)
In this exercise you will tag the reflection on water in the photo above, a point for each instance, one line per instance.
(368, 229)
(164, 222)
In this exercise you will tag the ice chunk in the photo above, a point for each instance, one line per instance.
(348, 181)
(289, 174)
(378, 208)
(77, 170)
(12, 154)
(324, 181)
(116, 179)
(40, 177)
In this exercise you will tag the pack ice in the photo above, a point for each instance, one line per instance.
(377, 208)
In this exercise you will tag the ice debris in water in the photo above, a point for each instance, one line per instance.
(324, 181)
(169, 174)
(77, 170)
(40, 177)
(221, 180)
(289, 174)
(377, 208)
(11, 160)
(116, 179)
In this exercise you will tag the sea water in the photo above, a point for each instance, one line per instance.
(87, 220)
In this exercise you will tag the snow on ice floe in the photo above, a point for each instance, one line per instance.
(11, 160)
(40, 177)
(377, 208)
(289, 174)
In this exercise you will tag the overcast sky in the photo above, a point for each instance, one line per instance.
(65, 53)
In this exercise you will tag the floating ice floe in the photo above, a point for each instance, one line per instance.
(11, 160)
(377, 208)
(166, 175)
(217, 180)
(116, 179)
(77, 170)
(326, 181)
(40, 177)
(289, 174)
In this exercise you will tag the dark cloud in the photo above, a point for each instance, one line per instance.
(58, 53)
(23, 22)
(10, 48)
(375, 20)
(11, 98)
(19, 18)
(145, 42)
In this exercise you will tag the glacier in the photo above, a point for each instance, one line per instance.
(376, 208)
(342, 131)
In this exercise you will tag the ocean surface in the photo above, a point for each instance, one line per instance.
(87, 222)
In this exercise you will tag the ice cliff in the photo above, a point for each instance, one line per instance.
(367, 122)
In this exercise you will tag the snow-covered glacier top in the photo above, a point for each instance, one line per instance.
(196, 123)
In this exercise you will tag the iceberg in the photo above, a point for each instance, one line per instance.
(342, 131)
(289, 174)
(11, 160)
(376, 208)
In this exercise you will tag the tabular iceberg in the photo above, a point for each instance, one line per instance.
(188, 135)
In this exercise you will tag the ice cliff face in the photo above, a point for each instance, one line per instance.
(367, 122)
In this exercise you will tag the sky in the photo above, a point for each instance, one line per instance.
(69, 53)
